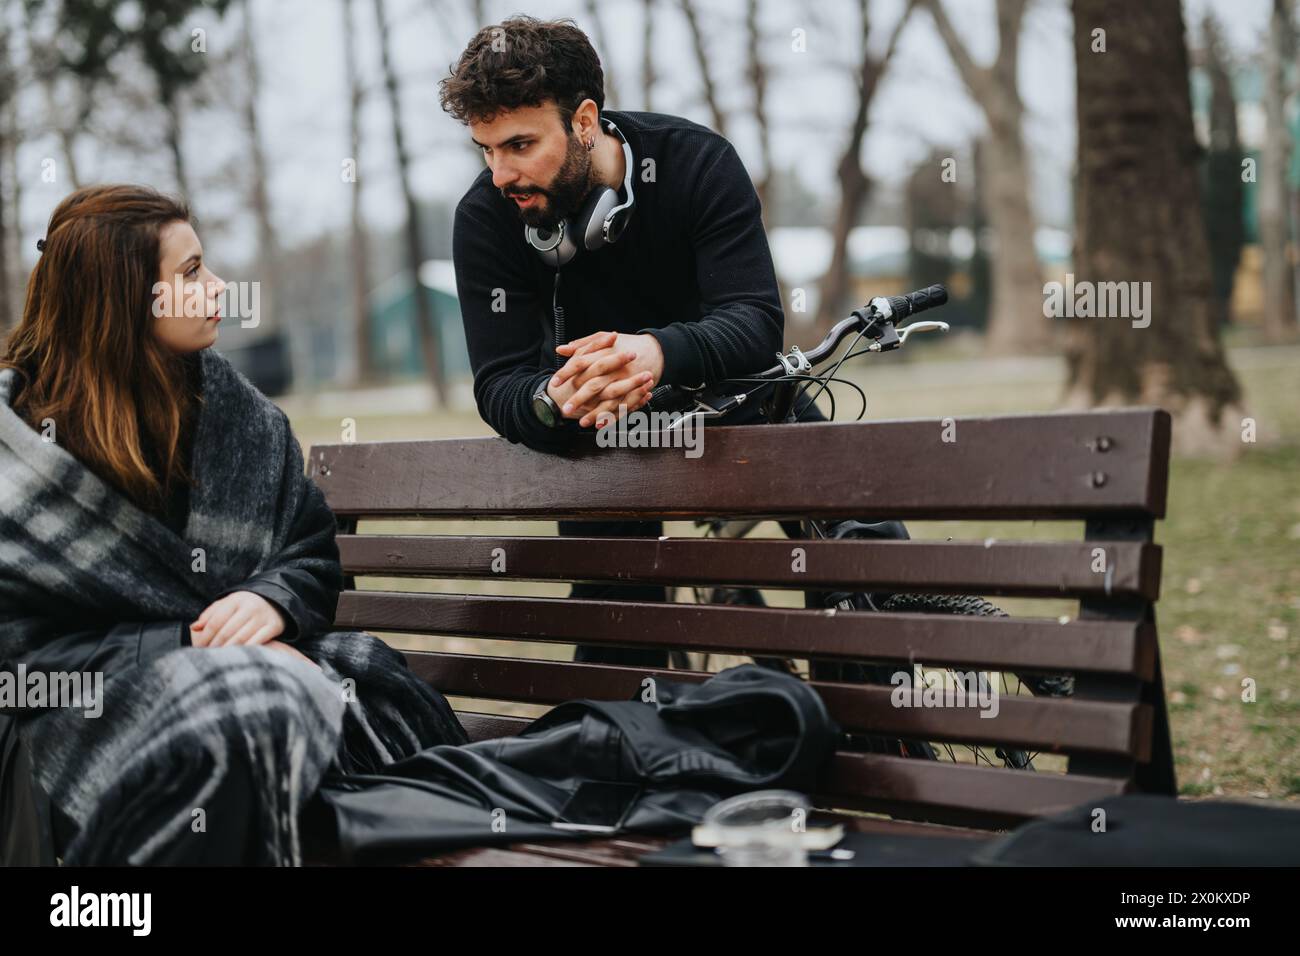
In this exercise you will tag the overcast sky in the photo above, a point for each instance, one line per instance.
(304, 105)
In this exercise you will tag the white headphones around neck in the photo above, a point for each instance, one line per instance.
(600, 220)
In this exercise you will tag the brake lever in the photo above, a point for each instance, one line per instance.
(927, 326)
(704, 410)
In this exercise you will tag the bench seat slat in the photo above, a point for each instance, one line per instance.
(878, 782)
(1036, 724)
(1026, 569)
(1116, 647)
(1067, 465)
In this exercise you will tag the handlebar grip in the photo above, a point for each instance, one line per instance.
(919, 301)
(660, 398)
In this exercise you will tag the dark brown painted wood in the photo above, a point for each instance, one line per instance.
(1157, 775)
(1020, 645)
(1025, 722)
(943, 791)
(1028, 569)
(1033, 466)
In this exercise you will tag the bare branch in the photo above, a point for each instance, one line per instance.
(972, 74)
(702, 59)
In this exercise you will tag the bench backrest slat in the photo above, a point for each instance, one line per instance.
(1027, 722)
(1044, 466)
(1021, 568)
(1032, 645)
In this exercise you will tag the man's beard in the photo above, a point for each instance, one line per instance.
(571, 185)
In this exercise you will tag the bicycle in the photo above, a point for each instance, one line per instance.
(786, 382)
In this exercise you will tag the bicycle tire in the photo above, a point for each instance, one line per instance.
(852, 672)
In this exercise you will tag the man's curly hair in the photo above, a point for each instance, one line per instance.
(523, 61)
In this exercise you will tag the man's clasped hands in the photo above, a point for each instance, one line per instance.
(603, 371)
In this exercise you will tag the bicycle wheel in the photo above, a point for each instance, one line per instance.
(855, 672)
(1007, 683)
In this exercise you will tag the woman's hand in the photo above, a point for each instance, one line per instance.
(239, 618)
(291, 651)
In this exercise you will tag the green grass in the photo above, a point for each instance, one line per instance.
(1230, 604)
(1230, 611)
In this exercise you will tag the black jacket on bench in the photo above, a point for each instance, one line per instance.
(747, 728)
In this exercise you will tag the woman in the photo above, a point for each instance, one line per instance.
(156, 528)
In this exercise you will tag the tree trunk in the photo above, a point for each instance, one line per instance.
(606, 54)
(1223, 185)
(1016, 322)
(414, 236)
(365, 363)
(757, 73)
(173, 135)
(702, 63)
(7, 133)
(268, 253)
(1274, 229)
(16, 277)
(7, 299)
(854, 186)
(647, 55)
(1139, 219)
(45, 66)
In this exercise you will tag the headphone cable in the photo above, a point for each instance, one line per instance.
(557, 311)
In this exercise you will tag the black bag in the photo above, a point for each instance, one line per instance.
(1146, 830)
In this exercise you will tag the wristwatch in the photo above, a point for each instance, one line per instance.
(544, 407)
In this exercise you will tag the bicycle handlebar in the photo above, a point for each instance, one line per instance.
(876, 320)
(870, 320)
(902, 306)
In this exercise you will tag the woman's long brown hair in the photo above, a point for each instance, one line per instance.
(85, 346)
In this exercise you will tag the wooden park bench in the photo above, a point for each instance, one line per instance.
(1108, 469)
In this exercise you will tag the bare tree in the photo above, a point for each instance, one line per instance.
(14, 277)
(259, 195)
(46, 71)
(1223, 185)
(365, 368)
(91, 38)
(1274, 228)
(648, 77)
(414, 236)
(7, 91)
(853, 183)
(1016, 322)
(702, 62)
(1139, 220)
(756, 70)
(604, 51)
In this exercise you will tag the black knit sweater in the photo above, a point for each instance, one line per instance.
(693, 269)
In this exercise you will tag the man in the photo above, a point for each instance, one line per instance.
(684, 294)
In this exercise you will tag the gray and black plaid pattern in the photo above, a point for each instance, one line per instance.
(74, 550)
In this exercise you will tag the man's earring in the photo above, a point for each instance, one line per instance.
(591, 144)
